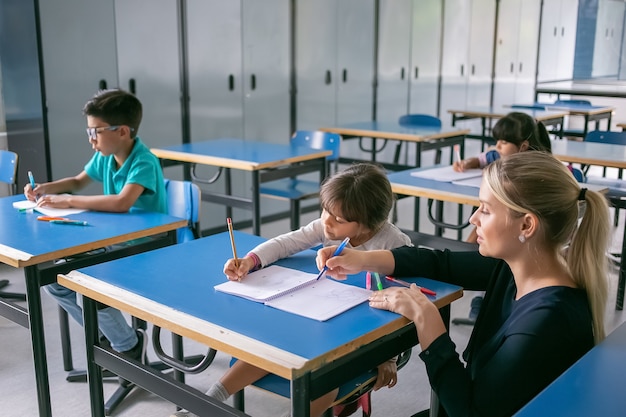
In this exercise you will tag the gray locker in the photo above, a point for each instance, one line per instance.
(557, 40)
(334, 62)
(149, 66)
(516, 52)
(79, 57)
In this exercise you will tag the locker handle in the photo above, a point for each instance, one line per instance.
(563, 31)
(345, 75)
(132, 86)
(520, 66)
(417, 73)
(253, 82)
(473, 69)
(328, 78)
(555, 30)
(606, 33)
(231, 82)
(102, 84)
(462, 69)
(512, 67)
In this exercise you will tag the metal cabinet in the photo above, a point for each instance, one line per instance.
(334, 62)
(557, 40)
(608, 38)
(79, 58)
(516, 52)
(467, 54)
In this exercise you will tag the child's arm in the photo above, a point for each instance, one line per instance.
(469, 163)
(114, 203)
(64, 185)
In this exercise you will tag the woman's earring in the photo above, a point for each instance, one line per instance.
(522, 238)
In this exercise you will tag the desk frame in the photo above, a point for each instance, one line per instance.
(41, 270)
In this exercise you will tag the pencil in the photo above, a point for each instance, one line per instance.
(232, 240)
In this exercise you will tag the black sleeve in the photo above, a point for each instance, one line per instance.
(470, 270)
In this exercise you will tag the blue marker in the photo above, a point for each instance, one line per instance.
(337, 252)
(32, 182)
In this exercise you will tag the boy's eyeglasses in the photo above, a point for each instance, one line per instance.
(92, 132)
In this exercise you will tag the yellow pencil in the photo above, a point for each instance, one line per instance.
(232, 240)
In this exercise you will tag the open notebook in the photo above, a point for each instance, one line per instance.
(46, 211)
(447, 174)
(297, 292)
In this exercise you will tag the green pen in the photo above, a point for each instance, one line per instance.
(379, 284)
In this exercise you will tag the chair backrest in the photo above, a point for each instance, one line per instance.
(574, 102)
(8, 169)
(601, 136)
(421, 120)
(577, 173)
(316, 139)
(183, 200)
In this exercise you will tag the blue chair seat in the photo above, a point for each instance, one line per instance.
(292, 189)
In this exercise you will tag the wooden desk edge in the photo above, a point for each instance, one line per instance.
(434, 194)
(394, 135)
(234, 163)
(18, 259)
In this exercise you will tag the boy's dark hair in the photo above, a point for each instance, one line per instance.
(117, 108)
(517, 127)
(362, 192)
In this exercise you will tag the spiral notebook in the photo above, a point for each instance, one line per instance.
(297, 292)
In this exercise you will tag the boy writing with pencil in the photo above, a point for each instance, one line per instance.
(356, 203)
(131, 176)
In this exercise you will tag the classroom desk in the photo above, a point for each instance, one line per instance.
(315, 356)
(264, 161)
(424, 138)
(589, 113)
(556, 119)
(33, 245)
(593, 386)
(591, 88)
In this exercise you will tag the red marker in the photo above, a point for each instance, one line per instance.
(406, 284)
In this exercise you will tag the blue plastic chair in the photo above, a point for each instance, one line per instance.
(573, 102)
(183, 200)
(8, 175)
(536, 106)
(417, 121)
(297, 189)
(349, 393)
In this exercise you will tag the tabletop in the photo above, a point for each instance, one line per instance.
(180, 295)
(393, 130)
(248, 155)
(583, 88)
(591, 153)
(497, 113)
(26, 241)
(593, 386)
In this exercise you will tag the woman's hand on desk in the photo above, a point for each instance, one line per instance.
(415, 306)
(237, 269)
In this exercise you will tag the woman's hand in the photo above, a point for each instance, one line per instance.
(387, 375)
(415, 306)
(236, 271)
(339, 267)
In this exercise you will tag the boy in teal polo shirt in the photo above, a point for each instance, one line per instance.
(131, 176)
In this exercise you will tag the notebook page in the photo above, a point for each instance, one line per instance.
(321, 300)
(267, 283)
(447, 174)
(46, 211)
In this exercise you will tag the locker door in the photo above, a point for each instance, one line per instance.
(148, 62)
(316, 63)
(355, 60)
(77, 54)
(527, 51)
(266, 106)
(456, 35)
(567, 39)
(507, 43)
(549, 40)
(482, 26)
(394, 47)
(215, 69)
(425, 56)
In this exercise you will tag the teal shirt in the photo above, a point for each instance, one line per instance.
(141, 167)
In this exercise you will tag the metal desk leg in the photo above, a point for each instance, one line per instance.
(94, 372)
(35, 320)
(300, 396)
